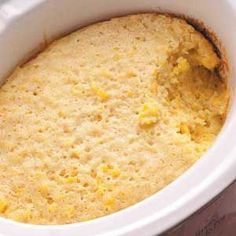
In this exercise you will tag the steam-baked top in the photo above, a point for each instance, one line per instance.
(105, 117)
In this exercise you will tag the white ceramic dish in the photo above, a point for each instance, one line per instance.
(25, 24)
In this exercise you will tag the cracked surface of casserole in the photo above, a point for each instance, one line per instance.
(105, 117)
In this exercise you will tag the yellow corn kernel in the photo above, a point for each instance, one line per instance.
(3, 205)
(116, 49)
(106, 74)
(100, 93)
(110, 201)
(200, 149)
(184, 129)
(115, 173)
(130, 93)
(149, 114)
(155, 73)
(105, 168)
(61, 113)
(130, 74)
(117, 57)
(71, 179)
(82, 219)
(38, 175)
(43, 189)
(75, 153)
(181, 67)
(101, 190)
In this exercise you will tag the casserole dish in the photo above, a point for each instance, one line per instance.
(25, 26)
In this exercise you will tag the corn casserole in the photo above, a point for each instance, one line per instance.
(105, 117)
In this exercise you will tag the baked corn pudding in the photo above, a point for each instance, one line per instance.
(106, 117)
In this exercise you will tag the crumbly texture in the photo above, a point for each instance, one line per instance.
(105, 117)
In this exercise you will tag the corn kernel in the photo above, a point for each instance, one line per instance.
(184, 129)
(71, 179)
(130, 93)
(43, 189)
(101, 93)
(105, 168)
(181, 67)
(149, 114)
(101, 190)
(61, 113)
(155, 73)
(38, 175)
(130, 74)
(75, 153)
(117, 57)
(200, 149)
(116, 49)
(106, 74)
(115, 173)
(110, 201)
(3, 205)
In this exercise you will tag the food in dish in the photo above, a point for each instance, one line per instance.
(105, 117)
